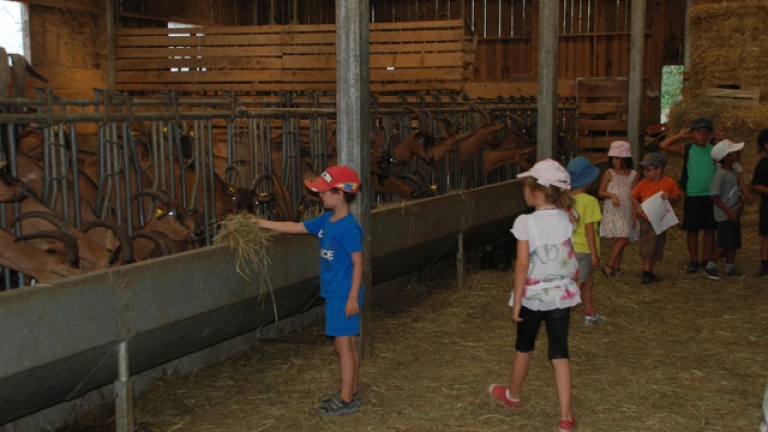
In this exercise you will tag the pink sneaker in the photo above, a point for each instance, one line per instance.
(500, 394)
(567, 425)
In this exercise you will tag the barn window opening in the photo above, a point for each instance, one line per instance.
(11, 27)
(184, 57)
(671, 88)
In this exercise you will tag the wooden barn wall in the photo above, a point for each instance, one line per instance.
(68, 48)
(67, 38)
(199, 12)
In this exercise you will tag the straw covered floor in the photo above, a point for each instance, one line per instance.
(686, 354)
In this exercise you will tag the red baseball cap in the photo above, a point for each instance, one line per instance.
(338, 177)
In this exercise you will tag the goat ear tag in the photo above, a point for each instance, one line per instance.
(159, 213)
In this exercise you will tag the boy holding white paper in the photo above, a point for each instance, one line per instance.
(654, 182)
(728, 193)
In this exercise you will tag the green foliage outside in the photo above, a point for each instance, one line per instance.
(671, 88)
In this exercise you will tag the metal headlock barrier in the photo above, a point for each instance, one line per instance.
(83, 333)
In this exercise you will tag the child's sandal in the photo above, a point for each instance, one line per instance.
(608, 271)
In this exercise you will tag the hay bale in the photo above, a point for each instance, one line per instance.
(727, 41)
(739, 123)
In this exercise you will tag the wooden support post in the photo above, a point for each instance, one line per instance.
(546, 128)
(111, 57)
(353, 101)
(123, 391)
(636, 68)
(461, 259)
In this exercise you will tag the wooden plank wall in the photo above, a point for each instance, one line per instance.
(602, 109)
(593, 42)
(433, 55)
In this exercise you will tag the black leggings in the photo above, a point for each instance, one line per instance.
(557, 321)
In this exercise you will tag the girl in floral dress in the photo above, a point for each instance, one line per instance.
(616, 187)
(545, 286)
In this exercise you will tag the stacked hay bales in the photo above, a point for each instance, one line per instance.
(727, 47)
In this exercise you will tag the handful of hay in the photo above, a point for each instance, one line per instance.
(242, 234)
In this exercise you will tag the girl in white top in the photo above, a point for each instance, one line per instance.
(545, 284)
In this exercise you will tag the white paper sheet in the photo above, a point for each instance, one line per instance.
(660, 213)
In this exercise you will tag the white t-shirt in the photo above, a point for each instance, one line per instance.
(552, 267)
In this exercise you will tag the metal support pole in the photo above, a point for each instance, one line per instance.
(546, 125)
(636, 68)
(461, 260)
(353, 102)
(123, 391)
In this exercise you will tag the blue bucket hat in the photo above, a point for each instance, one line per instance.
(582, 172)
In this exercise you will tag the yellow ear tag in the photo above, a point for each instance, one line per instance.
(165, 129)
(159, 213)
(191, 133)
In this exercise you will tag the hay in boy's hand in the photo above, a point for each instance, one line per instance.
(242, 234)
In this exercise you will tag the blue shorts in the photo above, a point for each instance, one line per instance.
(336, 321)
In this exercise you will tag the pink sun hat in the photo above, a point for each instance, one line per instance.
(620, 149)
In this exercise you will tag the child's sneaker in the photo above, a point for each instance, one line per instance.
(692, 268)
(500, 394)
(711, 273)
(734, 272)
(567, 425)
(645, 278)
(595, 318)
(335, 406)
(356, 398)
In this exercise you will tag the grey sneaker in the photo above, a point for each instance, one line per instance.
(711, 273)
(356, 399)
(595, 318)
(335, 406)
(734, 272)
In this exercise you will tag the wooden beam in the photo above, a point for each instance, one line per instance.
(94, 6)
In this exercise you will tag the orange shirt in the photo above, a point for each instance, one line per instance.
(647, 188)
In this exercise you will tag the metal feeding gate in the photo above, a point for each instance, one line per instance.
(81, 333)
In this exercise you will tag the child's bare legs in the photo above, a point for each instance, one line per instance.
(587, 297)
(709, 243)
(617, 253)
(349, 360)
(648, 264)
(716, 254)
(519, 372)
(563, 383)
(693, 245)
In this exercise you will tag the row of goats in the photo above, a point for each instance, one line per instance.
(152, 188)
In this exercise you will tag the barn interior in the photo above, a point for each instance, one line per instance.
(132, 129)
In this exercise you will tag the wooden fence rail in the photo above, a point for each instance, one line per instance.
(434, 55)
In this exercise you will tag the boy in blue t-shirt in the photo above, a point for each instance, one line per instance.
(341, 275)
